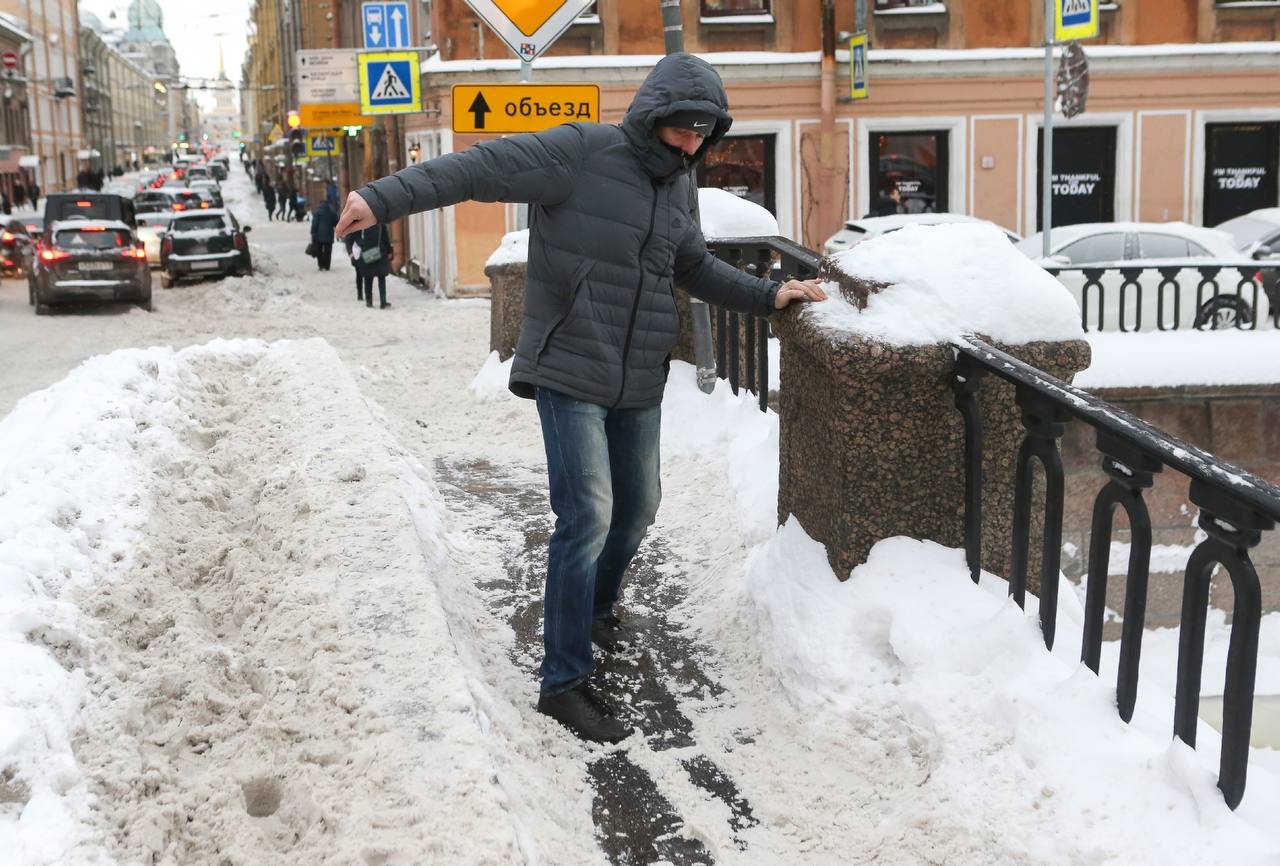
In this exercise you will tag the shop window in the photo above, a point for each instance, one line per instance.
(724, 8)
(914, 164)
(1084, 169)
(744, 166)
(1240, 169)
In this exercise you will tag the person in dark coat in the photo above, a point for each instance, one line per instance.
(370, 266)
(611, 230)
(323, 221)
(269, 199)
(284, 195)
(35, 196)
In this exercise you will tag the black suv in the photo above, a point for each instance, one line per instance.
(89, 260)
(204, 243)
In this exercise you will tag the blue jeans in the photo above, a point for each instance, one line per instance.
(603, 470)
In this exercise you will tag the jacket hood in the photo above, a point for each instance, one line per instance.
(679, 82)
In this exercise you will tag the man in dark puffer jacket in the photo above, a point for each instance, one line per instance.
(611, 230)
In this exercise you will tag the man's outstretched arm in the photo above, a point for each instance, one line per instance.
(538, 168)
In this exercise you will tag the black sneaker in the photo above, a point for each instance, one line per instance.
(608, 633)
(582, 712)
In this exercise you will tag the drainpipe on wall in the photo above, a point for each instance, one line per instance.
(827, 218)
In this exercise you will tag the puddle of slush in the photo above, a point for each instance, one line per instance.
(1265, 733)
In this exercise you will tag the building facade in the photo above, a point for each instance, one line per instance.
(53, 91)
(15, 105)
(96, 71)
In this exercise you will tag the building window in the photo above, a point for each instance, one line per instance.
(914, 164)
(910, 6)
(725, 8)
(744, 166)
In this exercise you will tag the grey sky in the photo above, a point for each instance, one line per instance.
(195, 29)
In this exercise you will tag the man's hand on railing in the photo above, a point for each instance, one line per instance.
(799, 290)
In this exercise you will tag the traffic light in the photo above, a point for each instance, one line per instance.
(294, 120)
(297, 143)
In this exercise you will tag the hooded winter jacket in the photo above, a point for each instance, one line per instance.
(611, 230)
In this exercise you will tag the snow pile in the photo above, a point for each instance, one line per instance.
(513, 249)
(945, 282)
(1171, 358)
(1003, 726)
(725, 215)
(721, 426)
(73, 510)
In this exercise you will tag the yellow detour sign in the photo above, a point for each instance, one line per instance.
(275, 134)
(323, 142)
(389, 82)
(326, 115)
(504, 108)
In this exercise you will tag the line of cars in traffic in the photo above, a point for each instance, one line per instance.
(103, 245)
(1142, 276)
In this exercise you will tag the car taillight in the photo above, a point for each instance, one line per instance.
(239, 241)
(7, 236)
(204, 204)
(178, 206)
(54, 255)
(8, 263)
(134, 252)
(166, 246)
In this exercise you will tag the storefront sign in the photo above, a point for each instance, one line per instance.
(389, 82)
(1242, 162)
(330, 115)
(529, 26)
(859, 86)
(506, 108)
(1074, 19)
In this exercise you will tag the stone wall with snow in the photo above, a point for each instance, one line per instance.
(871, 442)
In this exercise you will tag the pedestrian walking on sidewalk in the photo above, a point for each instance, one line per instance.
(323, 220)
(372, 254)
(269, 199)
(612, 228)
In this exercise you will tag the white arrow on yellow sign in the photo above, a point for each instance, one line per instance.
(499, 109)
(529, 26)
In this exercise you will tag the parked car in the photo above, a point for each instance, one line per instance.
(83, 259)
(17, 243)
(203, 243)
(60, 206)
(152, 228)
(857, 231)
(1257, 235)
(218, 169)
(1174, 247)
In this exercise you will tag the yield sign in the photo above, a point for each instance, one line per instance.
(529, 26)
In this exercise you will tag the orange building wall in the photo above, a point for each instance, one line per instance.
(1162, 167)
(996, 189)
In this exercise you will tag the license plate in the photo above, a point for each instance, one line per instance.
(204, 266)
(96, 266)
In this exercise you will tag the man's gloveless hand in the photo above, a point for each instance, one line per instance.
(356, 216)
(799, 290)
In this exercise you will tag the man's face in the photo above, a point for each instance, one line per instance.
(684, 140)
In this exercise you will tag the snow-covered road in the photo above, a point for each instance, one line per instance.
(283, 602)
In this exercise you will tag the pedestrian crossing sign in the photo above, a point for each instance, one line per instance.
(389, 82)
(1075, 19)
(323, 142)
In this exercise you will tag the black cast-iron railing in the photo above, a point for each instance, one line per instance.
(1157, 296)
(742, 353)
(1235, 509)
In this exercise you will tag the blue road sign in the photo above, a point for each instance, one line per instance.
(386, 24)
(389, 82)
